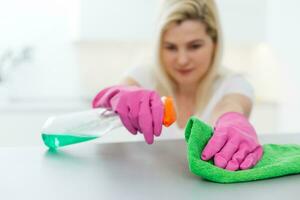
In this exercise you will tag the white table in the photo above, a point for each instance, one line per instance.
(132, 170)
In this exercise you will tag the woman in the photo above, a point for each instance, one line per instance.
(186, 66)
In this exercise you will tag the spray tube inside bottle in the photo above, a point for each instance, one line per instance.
(59, 131)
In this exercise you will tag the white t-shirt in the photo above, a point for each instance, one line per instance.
(144, 76)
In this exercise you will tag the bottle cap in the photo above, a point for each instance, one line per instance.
(169, 111)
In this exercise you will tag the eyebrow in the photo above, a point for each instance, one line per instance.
(196, 40)
(190, 42)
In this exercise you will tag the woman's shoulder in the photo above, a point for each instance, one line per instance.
(231, 82)
(226, 75)
(228, 83)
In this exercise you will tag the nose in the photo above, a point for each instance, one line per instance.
(182, 58)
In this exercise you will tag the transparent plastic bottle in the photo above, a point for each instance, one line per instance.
(87, 125)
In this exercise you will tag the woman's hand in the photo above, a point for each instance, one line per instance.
(234, 144)
(139, 109)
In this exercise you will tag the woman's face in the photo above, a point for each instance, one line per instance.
(187, 51)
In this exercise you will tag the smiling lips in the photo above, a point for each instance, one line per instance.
(185, 71)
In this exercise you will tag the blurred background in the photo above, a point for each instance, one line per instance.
(55, 55)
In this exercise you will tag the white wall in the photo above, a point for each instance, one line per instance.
(283, 35)
(243, 21)
(47, 26)
(117, 20)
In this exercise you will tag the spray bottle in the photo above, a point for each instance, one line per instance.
(87, 125)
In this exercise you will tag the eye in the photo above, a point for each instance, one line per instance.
(170, 47)
(195, 46)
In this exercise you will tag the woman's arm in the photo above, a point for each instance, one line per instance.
(231, 103)
(234, 144)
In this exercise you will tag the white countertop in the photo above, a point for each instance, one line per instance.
(126, 171)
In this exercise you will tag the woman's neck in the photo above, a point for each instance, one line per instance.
(186, 104)
(186, 90)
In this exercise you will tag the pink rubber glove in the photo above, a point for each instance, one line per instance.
(139, 109)
(234, 144)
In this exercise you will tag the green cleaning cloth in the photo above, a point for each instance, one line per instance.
(277, 160)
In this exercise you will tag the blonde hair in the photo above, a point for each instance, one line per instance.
(178, 11)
